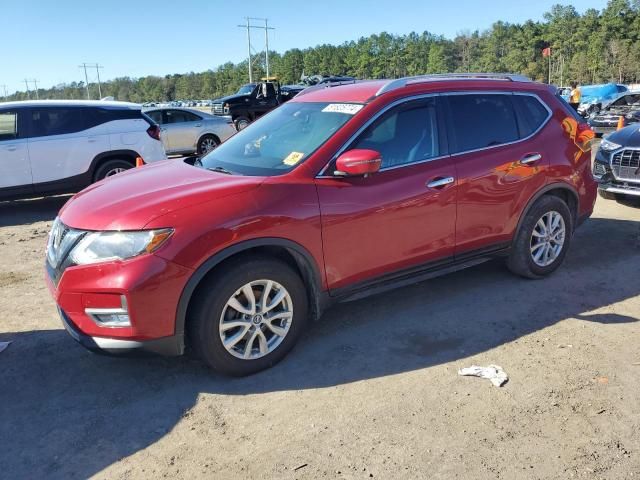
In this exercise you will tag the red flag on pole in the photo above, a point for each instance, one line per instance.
(546, 52)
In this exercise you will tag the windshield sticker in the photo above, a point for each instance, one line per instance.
(293, 158)
(348, 108)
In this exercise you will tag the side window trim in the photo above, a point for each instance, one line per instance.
(443, 151)
(19, 124)
(480, 92)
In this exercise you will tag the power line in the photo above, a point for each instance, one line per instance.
(266, 29)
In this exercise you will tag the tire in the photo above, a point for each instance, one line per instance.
(242, 122)
(210, 310)
(207, 143)
(529, 254)
(110, 168)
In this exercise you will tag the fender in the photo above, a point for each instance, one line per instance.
(546, 189)
(304, 260)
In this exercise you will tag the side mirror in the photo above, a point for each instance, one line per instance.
(358, 162)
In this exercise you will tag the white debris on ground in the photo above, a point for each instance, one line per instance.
(493, 372)
(3, 346)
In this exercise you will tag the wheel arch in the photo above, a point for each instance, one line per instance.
(291, 252)
(101, 158)
(563, 191)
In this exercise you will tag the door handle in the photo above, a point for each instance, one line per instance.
(530, 158)
(12, 148)
(440, 182)
(198, 125)
(92, 140)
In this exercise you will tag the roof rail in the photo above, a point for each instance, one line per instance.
(322, 86)
(403, 82)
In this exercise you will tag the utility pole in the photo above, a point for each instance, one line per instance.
(35, 83)
(86, 79)
(98, 67)
(26, 83)
(4, 87)
(266, 29)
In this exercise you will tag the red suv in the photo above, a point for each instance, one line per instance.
(342, 192)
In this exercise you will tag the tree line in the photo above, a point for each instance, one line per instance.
(594, 47)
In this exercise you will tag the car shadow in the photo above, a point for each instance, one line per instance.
(70, 414)
(24, 212)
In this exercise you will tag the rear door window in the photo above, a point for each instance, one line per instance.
(481, 120)
(531, 114)
(8, 125)
(57, 121)
(156, 116)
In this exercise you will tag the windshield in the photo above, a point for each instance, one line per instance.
(246, 89)
(281, 140)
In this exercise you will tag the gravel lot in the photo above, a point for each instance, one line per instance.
(372, 390)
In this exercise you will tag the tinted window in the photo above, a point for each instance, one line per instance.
(156, 116)
(8, 125)
(406, 134)
(480, 121)
(531, 114)
(179, 116)
(57, 121)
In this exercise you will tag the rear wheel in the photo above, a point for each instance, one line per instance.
(248, 316)
(111, 168)
(543, 239)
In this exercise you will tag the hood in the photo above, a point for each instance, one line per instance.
(627, 136)
(132, 199)
(234, 99)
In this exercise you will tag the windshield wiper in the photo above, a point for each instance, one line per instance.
(220, 170)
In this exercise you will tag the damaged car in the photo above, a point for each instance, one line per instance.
(617, 165)
(595, 96)
(626, 105)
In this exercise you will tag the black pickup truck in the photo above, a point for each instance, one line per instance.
(254, 100)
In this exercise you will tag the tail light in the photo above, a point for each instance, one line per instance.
(154, 132)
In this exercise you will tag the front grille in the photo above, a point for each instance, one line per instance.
(218, 109)
(626, 165)
(61, 241)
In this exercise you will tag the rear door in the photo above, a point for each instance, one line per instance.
(15, 168)
(502, 155)
(182, 130)
(63, 141)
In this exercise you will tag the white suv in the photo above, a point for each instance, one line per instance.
(59, 146)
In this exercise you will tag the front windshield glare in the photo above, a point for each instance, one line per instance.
(246, 89)
(281, 140)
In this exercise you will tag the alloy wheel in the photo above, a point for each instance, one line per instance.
(256, 319)
(114, 171)
(547, 239)
(207, 145)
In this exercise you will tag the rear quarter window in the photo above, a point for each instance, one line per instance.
(48, 121)
(531, 114)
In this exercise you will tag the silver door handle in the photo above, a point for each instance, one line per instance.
(440, 182)
(12, 149)
(531, 158)
(198, 124)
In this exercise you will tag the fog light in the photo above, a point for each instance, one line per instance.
(111, 317)
(599, 170)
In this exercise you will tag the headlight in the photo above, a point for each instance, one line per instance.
(608, 146)
(104, 246)
(225, 108)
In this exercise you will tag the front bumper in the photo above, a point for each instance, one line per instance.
(602, 130)
(151, 287)
(620, 189)
(169, 346)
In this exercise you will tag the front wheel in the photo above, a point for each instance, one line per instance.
(248, 316)
(111, 168)
(543, 239)
(242, 123)
(206, 144)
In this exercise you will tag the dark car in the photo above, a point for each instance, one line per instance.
(617, 165)
(606, 120)
(252, 101)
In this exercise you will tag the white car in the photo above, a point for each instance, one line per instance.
(61, 146)
(185, 131)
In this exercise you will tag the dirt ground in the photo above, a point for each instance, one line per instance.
(371, 391)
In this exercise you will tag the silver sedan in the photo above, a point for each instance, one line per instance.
(185, 131)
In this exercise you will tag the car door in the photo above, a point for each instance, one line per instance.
(182, 130)
(266, 99)
(63, 142)
(15, 167)
(502, 160)
(402, 217)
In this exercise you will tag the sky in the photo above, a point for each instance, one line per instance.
(49, 40)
